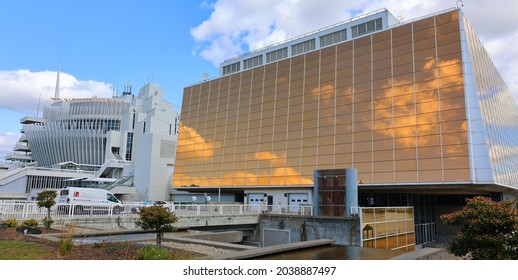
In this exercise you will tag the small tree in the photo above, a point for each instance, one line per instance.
(487, 230)
(156, 218)
(47, 199)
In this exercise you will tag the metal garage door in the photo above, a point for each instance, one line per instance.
(256, 199)
(296, 199)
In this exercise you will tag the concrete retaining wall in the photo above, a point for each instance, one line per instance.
(345, 231)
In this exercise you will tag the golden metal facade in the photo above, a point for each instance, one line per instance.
(390, 104)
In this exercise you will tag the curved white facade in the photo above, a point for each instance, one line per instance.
(76, 131)
(126, 144)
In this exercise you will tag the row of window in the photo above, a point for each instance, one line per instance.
(366, 28)
(303, 47)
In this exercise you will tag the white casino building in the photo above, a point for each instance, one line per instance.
(126, 144)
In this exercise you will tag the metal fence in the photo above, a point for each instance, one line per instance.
(30, 210)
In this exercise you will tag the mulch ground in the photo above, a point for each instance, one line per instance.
(102, 251)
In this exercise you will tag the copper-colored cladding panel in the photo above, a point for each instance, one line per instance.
(390, 104)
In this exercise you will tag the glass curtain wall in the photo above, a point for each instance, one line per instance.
(390, 104)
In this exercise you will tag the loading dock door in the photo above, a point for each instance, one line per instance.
(255, 199)
(296, 199)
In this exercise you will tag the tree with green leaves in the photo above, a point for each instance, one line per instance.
(47, 199)
(487, 230)
(156, 218)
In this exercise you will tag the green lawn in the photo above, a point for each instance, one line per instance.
(22, 250)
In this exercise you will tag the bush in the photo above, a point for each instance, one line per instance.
(30, 223)
(487, 230)
(47, 222)
(11, 223)
(156, 218)
(150, 252)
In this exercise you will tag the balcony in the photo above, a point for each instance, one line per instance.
(21, 148)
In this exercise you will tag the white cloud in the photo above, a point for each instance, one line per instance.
(236, 26)
(20, 89)
(7, 142)
(20, 92)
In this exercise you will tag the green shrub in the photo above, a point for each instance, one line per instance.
(47, 222)
(151, 252)
(30, 223)
(11, 222)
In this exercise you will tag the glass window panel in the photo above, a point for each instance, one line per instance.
(426, 61)
(454, 138)
(450, 81)
(383, 166)
(456, 175)
(446, 28)
(428, 141)
(401, 132)
(447, 49)
(406, 176)
(405, 154)
(426, 75)
(386, 155)
(404, 121)
(455, 150)
(381, 133)
(430, 164)
(430, 175)
(428, 118)
(451, 92)
(383, 144)
(426, 96)
(456, 163)
(427, 85)
(428, 129)
(453, 126)
(447, 17)
(424, 44)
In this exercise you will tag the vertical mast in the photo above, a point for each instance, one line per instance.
(56, 95)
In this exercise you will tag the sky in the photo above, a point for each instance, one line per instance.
(102, 46)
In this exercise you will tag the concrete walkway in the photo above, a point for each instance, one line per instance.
(257, 252)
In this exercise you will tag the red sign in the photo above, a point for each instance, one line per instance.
(76, 194)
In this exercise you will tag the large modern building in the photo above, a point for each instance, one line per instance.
(417, 107)
(126, 144)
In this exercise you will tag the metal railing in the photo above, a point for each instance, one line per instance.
(30, 210)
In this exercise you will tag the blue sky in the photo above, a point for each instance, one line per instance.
(101, 45)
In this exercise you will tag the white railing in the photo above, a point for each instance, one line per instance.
(30, 210)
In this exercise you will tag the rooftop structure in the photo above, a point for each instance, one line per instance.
(321, 38)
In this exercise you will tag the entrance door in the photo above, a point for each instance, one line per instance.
(270, 203)
(297, 199)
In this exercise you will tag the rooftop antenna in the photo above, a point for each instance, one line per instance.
(461, 3)
(127, 88)
(56, 94)
(38, 112)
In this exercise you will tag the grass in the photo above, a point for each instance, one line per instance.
(16, 246)
(22, 250)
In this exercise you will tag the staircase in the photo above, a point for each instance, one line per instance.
(120, 182)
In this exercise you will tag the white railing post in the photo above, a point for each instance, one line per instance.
(24, 210)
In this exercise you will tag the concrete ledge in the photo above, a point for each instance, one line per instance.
(211, 243)
(225, 237)
(423, 254)
(257, 252)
